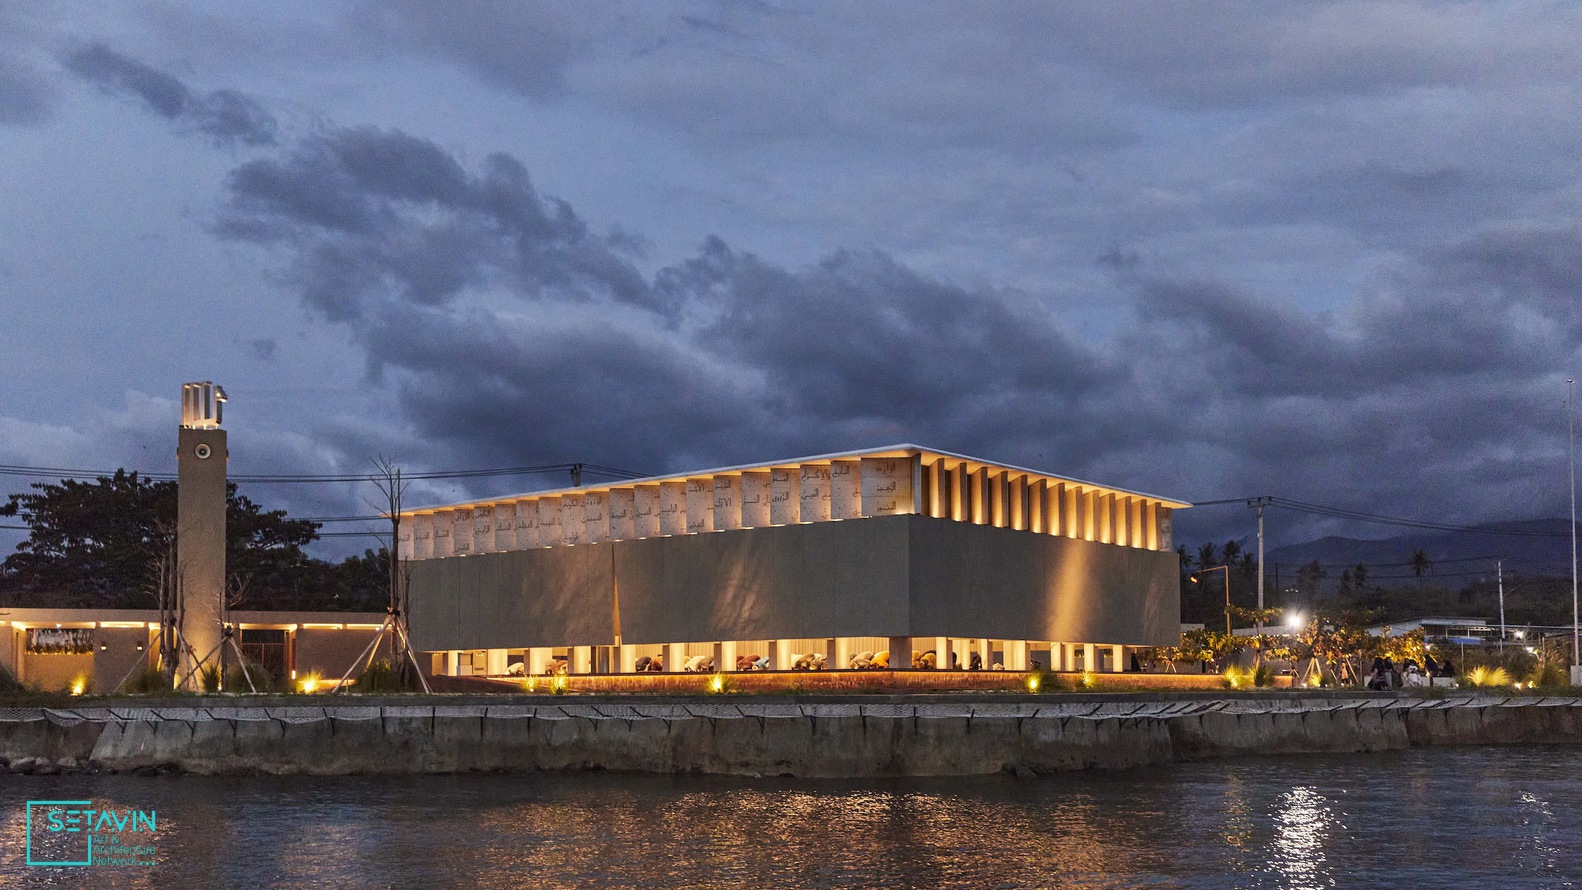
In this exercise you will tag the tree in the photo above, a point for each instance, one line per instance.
(1420, 564)
(1310, 576)
(109, 543)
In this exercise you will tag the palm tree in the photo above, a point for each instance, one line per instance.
(1420, 564)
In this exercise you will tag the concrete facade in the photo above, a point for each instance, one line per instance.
(901, 549)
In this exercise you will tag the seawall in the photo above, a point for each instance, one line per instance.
(895, 738)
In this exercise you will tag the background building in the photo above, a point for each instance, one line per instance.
(903, 549)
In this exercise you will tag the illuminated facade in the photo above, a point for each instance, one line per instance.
(900, 549)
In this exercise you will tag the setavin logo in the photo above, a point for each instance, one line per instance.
(82, 833)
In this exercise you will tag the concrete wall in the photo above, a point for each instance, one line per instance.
(117, 657)
(331, 652)
(981, 581)
(893, 576)
(847, 745)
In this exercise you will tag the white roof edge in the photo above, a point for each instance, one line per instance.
(765, 465)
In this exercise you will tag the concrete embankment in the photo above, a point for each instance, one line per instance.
(883, 738)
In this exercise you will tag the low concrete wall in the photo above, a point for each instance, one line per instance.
(770, 739)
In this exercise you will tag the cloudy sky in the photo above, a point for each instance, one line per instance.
(1329, 251)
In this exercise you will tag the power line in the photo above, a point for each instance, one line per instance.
(1376, 518)
(293, 478)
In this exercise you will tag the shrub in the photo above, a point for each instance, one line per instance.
(210, 678)
(1263, 675)
(1238, 678)
(1548, 674)
(379, 676)
(1040, 680)
(236, 679)
(720, 684)
(1483, 677)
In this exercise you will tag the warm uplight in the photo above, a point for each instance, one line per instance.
(1295, 621)
(311, 683)
(717, 684)
(1087, 680)
(558, 684)
(79, 686)
(1032, 683)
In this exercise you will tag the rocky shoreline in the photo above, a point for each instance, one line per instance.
(878, 736)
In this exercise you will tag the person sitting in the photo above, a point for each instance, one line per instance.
(804, 662)
(861, 661)
(924, 661)
(997, 667)
(881, 661)
(975, 663)
(1379, 679)
(761, 663)
(516, 669)
(642, 664)
(955, 661)
(1447, 669)
(695, 664)
(1413, 677)
(819, 660)
(657, 665)
(557, 667)
(1430, 666)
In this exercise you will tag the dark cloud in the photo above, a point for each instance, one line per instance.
(225, 115)
(26, 96)
(510, 333)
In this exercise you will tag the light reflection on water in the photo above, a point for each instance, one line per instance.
(1453, 817)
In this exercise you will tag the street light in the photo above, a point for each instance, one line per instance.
(1226, 570)
(1571, 461)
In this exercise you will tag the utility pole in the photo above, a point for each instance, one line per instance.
(1260, 503)
(1571, 460)
(1499, 572)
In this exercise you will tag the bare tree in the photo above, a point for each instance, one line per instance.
(392, 491)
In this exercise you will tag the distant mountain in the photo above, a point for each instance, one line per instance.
(1537, 547)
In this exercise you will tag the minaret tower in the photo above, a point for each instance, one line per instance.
(200, 525)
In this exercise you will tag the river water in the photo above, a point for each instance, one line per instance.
(1463, 817)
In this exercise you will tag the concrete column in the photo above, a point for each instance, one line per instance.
(1151, 524)
(1016, 655)
(1071, 511)
(1123, 510)
(831, 655)
(900, 652)
(537, 661)
(941, 647)
(725, 656)
(626, 659)
(1139, 538)
(549, 534)
(582, 659)
(960, 494)
(986, 652)
(452, 663)
(1071, 656)
(1090, 658)
(423, 536)
(700, 505)
(726, 503)
(571, 530)
(997, 505)
(1117, 653)
(503, 519)
(842, 658)
(886, 486)
(404, 542)
(674, 658)
(524, 521)
(1090, 515)
(483, 529)
(619, 504)
(1036, 515)
(494, 662)
(595, 517)
(815, 496)
(673, 508)
(845, 489)
(962, 649)
(444, 524)
(780, 655)
(755, 500)
(785, 495)
(978, 493)
(461, 534)
(645, 511)
(1054, 515)
(1019, 499)
(1166, 530)
(1106, 519)
(937, 507)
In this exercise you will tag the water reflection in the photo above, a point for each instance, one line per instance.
(1302, 829)
(1273, 822)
